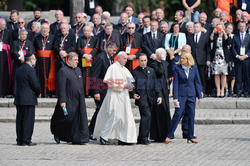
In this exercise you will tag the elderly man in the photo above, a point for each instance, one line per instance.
(12, 24)
(21, 26)
(35, 28)
(69, 122)
(86, 49)
(5, 60)
(81, 22)
(28, 89)
(223, 18)
(244, 18)
(65, 42)
(132, 45)
(217, 12)
(190, 28)
(97, 24)
(205, 27)
(56, 25)
(37, 16)
(146, 25)
(19, 49)
(115, 119)
(45, 65)
(107, 36)
(160, 15)
(99, 89)
(121, 27)
(164, 27)
(106, 15)
(161, 119)
(146, 85)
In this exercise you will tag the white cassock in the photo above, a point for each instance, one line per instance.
(115, 118)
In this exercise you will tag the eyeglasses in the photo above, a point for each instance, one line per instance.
(103, 24)
(20, 22)
(131, 27)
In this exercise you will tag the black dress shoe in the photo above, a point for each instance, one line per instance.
(103, 141)
(57, 139)
(145, 142)
(246, 95)
(19, 144)
(29, 144)
(123, 143)
(91, 137)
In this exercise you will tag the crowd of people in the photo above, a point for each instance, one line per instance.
(216, 63)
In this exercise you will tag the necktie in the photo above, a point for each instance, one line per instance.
(196, 39)
(242, 38)
(153, 36)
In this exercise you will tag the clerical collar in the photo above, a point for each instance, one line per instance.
(143, 67)
(44, 35)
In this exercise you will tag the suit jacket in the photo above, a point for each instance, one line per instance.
(200, 51)
(236, 44)
(134, 19)
(186, 87)
(149, 47)
(97, 72)
(146, 85)
(28, 87)
(11, 25)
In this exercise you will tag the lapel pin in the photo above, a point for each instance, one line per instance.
(48, 41)
(148, 71)
(66, 40)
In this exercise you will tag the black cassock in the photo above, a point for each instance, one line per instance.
(135, 43)
(86, 46)
(54, 27)
(66, 43)
(5, 63)
(11, 25)
(104, 39)
(78, 30)
(74, 126)
(18, 45)
(160, 118)
(44, 46)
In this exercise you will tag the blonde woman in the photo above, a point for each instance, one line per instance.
(187, 86)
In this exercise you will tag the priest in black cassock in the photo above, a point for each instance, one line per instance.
(5, 60)
(160, 117)
(107, 36)
(12, 24)
(86, 49)
(65, 42)
(121, 27)
(132, 45)
(45, 65)
(73, 126)
(19, 49)
(37, 18)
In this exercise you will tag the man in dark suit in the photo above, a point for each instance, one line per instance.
(241, 52)
(144, 93)
(200, 46)
(152, 41)
(16, 32)
(98, 70)
(28, 89)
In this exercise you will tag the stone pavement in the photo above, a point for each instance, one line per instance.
(210, 111)
(218, 145)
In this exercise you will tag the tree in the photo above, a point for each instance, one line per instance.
(75, 7)
(13, 4)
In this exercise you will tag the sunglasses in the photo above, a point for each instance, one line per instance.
(20, 22)
(131, 27)
(103, 24)
(78, 17)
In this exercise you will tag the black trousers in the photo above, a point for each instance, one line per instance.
(25, 118)
(202, 70)
(144, 128)
(93, 119)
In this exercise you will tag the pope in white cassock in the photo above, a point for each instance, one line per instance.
(115, 119)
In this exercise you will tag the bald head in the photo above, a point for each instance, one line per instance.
(186, 48)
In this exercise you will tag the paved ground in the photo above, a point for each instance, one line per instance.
(218, 145)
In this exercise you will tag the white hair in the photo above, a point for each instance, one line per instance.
(160, 51)
(90, 24)
(106, 13)
(120, 53)
(163, 22)
(37, 24)
(188, 24)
